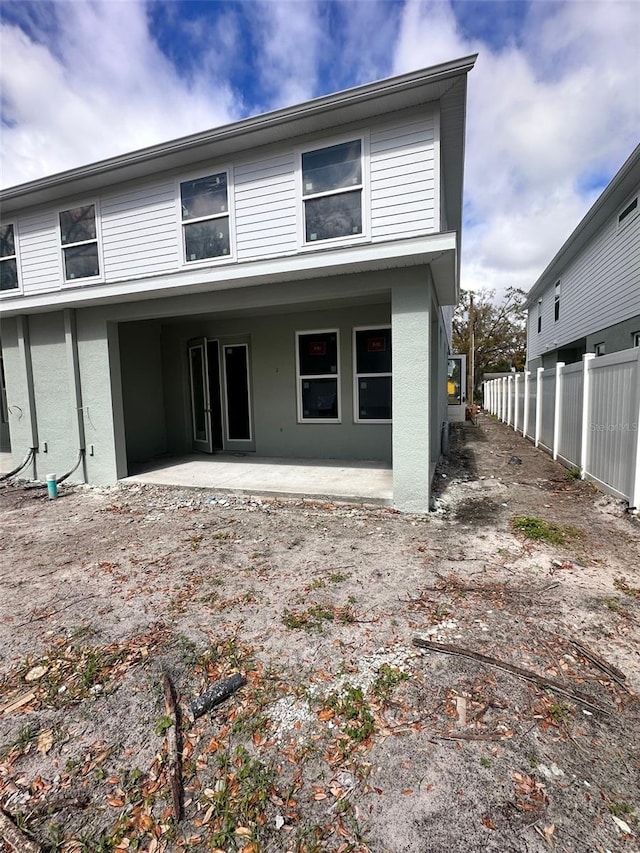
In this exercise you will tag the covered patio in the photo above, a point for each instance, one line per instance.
(331, 479)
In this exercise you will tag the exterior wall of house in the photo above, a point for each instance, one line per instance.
(598, 290)
(139, 225)
(617, 337)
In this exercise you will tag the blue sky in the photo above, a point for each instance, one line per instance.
(553, 104)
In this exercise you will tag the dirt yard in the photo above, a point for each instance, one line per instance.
(346, 736)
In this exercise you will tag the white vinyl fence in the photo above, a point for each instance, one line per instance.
(587, 415)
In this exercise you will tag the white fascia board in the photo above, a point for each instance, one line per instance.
(440, 250)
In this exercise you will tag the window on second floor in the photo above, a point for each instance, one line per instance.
(628, 213)
(332, 192)
(205, 217)
(539, 315)
(8, 259)
(79, 238)
(556, 302)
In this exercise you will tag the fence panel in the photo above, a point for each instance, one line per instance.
(571, 422)
(548, 405)
(613, 427)
(599, 412)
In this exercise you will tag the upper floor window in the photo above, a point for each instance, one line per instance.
(372, 359)
(629, 212)
(332, 189)
(205, 217)
(79, 238)
(539, 315)
(8, 259)
(556, 302)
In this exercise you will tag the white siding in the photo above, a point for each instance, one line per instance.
(600, 288)
(140, 232)
(40, 261)
(402, 178)
(265, 204)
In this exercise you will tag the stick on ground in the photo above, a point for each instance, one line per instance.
(174, 773)
(16, 839)
(220, 691)
(526, 674)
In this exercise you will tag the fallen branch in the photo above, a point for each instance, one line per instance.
(526, 674)
(606, 667)
(172, 747)
(473, 735)
(220, 691)
(16, 839)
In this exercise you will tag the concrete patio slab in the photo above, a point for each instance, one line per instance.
(353, 481)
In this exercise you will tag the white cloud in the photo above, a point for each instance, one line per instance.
(101, 88)
(542, 117)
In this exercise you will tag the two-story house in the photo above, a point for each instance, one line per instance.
(588, 298)
(280, 286)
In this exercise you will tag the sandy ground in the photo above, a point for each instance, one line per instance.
(346, 736)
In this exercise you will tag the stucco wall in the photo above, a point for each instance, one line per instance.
(273, 367)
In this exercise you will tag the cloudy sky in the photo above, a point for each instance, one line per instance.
(553, 103)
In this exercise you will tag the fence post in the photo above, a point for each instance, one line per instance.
(634, 491)
(499, 399)
(557, 409)
(509, 400)
(504, 398)
(539, 373)
(586, 404)
(516, 377)
(525, 414)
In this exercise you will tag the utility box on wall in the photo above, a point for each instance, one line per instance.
(456, 385)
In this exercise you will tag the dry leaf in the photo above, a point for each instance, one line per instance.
(36, 673)
(243, 831)
(488, 823)
(623, 825)
(45, 741)
(326, 714)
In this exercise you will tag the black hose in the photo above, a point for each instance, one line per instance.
(81, 454)
(22, 465)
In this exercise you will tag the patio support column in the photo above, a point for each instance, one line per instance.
(411, 331)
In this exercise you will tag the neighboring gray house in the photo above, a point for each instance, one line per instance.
(242, 290)
(588, 298)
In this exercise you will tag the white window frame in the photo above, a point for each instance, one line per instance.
(300, 377)
(631, 216)
(635, 336)
(347, 239)
(556, 302)
(15, 291)
(599, 348)
(88, 279)
(539, 320)
(357, 376)
(230, 214)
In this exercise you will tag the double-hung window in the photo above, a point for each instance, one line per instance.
(372, 360)
(8, 259)
(318, 376)
(79, 238)
(539, 315)
(332, 192)
(556, 302)
(205, 217)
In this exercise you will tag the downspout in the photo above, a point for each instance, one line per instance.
(71, 340)
(24, 348)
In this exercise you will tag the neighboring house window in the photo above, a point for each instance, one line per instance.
(372, 360)
(8, 259)
(556, 303)
(332, 188)
(79, 239)
(636, 339)
(317, 359)
(599, 349)
(205, 217)
(539, 315)
(628, 213)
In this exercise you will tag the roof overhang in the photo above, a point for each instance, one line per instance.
(437, 250)
(622, 185)
(357, 104)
